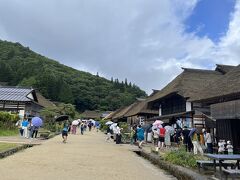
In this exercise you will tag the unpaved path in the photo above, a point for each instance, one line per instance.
(86, 157)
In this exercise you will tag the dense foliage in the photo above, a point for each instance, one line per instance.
(50, 113)
(8, 120)
(21, 66)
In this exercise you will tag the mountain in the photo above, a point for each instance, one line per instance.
(19, 66)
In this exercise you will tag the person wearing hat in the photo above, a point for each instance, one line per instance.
(229, 147)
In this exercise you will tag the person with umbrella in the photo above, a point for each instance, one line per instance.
(109, 132)
(75, 123)
(36, 123)
(195, 141)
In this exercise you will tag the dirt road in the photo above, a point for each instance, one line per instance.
(86, 157)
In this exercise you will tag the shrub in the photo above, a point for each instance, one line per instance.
(181, 157)
(8, 120)
(103, 125)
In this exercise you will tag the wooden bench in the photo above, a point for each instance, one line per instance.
(233, 173)
(203, 164)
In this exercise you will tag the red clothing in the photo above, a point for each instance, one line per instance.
(162, 132)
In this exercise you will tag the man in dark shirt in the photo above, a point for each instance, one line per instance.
(186, 139)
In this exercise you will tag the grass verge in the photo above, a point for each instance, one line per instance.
(7, 146)
(7, 132)
(182, 158)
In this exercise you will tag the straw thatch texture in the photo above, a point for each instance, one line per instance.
(43, 101)
(224, 68)
(188, 84)
(140, 107)
(227, 85)
(91, 114)
(121, 113)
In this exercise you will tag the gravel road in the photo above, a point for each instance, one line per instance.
(86, 157)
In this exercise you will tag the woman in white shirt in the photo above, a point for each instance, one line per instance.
(208, 140)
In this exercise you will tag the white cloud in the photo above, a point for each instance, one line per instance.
(144, 41)
(228, 50)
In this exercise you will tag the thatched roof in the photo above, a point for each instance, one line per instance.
(229, 84)
(43, 101)
(91, 114)
(121, 113)
(188, 83)
(140, 107)
(224, 68)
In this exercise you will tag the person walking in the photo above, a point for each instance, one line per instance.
(162, 132)
(186, 139)
(109, 134)
(82, 128)
(35, 131)
(19, 125)
(74, 129)
(155, 137)
(65, 132)
(25, 124)
(208, 140)
(140, 136)
(90, 124)
(196, 146)
(118, 134)
(167, 138)
(132, 133)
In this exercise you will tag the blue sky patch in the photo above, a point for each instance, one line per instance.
(210, 18)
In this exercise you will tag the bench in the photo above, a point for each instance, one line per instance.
(203, 164)
(233, 173)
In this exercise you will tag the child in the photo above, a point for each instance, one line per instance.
(65, 132)
(229, 147)
(221, 147)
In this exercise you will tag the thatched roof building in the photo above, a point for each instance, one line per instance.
(228, 87)
(43, 101)
(120, 114)
(188, 84)
(91, 114)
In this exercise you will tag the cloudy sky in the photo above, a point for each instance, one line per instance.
(145, 41)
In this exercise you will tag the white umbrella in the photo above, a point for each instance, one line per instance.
(114, 125)
(109, 123)
(157, 122)
(169, 129)
(75, 122)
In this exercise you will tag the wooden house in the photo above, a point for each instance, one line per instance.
(139, 112)
(22, 100)
(120, 114)
(223, 97)
(175, 101)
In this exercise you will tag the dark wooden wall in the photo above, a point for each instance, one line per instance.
(173, 104)
(229, 129)
(226, 110)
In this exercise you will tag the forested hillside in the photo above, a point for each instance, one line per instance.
(21, 66)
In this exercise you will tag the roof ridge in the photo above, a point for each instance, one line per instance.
(199, 70)
(17, 87)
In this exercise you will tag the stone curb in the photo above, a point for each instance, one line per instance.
(179, 172)
(14, 150)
